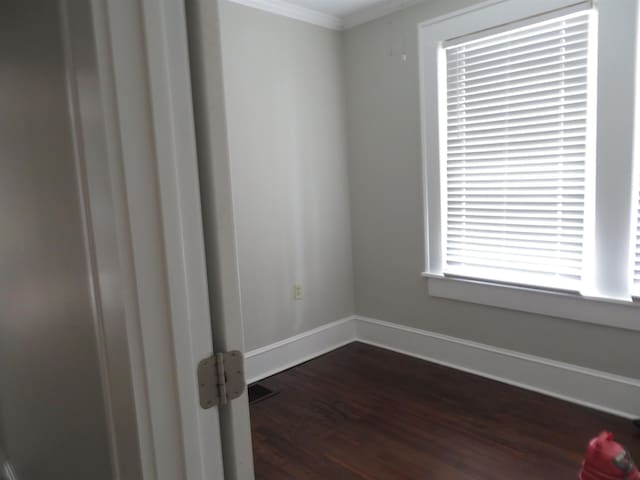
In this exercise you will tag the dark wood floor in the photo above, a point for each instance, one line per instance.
(366, 413)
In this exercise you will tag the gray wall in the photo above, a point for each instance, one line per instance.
(383, 124)
(287, 141)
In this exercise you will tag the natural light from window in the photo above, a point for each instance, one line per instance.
(517, 156)
(529, 138)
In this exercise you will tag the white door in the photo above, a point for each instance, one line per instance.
(180, 54)
(144, 62)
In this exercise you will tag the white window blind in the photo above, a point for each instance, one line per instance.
(516, 168)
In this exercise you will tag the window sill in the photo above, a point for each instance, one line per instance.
(611, 313)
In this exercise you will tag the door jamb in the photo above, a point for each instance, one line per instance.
(207, 76)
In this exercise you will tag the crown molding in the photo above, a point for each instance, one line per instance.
(286, 9)
(376, 11)
(308, 15)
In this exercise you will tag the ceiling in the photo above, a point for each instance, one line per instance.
(338, 8)
(334, 14)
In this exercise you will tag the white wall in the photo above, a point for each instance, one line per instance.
(287, 133)
(383, 124)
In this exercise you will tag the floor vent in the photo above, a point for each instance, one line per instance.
(258, 393)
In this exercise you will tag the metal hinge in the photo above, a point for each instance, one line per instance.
(221, 378)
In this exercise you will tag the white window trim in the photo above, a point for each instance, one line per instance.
(610, 306)
(599, 311)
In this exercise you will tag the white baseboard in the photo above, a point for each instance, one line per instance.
(592, 388)
(602, 391)
(277, 357)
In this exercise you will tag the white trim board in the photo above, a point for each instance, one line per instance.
(602, 391)
(333, 22)
(376, 11)
(599, 311)
(277, 357)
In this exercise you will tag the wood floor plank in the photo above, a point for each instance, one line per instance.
(362, 412)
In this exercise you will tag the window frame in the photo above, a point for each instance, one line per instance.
(606, 296)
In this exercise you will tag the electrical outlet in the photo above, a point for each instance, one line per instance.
(297, 292)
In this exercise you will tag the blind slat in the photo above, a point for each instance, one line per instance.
(522, 255)
(514, 140)
(559, 111)
(512, 194)
(562, 102)
(522, 162)
(562, 226)
(470, 62)
(576, 50)
(575, 74)
(479, 186)
(462, 104)
(561, 143)
(519, 248)
(519, 48)
(511, 36)
(483, 236)
(513, 93)
(464, 80)
(515, 264)
(558, 176)
(512, 125)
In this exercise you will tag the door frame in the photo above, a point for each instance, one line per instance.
(209, 105)
(149, 172)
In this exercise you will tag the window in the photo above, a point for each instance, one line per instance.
(528, 125)
(516, 155)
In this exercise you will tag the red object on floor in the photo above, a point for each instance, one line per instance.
(607, 460)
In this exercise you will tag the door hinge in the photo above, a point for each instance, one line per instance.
(221, 378)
